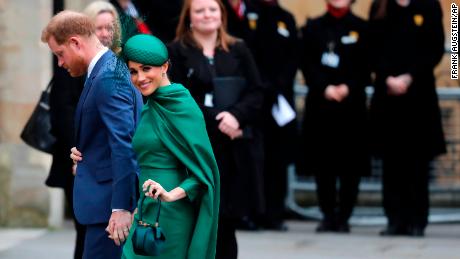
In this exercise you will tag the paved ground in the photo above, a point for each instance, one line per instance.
(441, 241)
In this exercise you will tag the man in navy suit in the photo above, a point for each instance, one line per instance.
(107, 114)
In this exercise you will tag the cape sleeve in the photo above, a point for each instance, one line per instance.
(181, 127)
(191, 186)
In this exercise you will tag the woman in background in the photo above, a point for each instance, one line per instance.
(335, 66)
(405, 114)
(204, 56)
(105, 17)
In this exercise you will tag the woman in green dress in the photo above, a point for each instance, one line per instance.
(175, 156)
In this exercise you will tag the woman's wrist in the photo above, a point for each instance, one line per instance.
(175, 194)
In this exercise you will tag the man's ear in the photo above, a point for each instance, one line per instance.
(74, 41)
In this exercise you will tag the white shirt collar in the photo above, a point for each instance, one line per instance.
(95, 59)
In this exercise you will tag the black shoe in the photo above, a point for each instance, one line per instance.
(343, 228)
(417, 232)
(276, 226)
(326, 226)
(394, 231)
(246, 223)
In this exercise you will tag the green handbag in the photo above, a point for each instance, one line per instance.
(148, 239)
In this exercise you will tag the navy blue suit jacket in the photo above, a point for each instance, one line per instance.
(105, 121)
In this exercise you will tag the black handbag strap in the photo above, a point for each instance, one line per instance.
(50, 84)
(139, 210)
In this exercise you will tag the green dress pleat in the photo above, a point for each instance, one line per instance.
(173, 148)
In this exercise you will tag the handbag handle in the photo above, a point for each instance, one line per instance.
(50, 84)
(139, 209)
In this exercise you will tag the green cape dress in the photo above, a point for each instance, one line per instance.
(173, 148)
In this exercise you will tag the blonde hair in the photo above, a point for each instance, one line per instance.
(184, 33)
(98, 7)
(66, 24)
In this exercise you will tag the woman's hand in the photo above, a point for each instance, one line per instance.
(75, 155)
(336, 92)
(398, 85)
(155, 190)
(229, 125)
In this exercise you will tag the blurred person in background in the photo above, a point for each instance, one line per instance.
(275, 49)
(105, 17)
(161, 16)
(131, 19)
(407, 44)
(203, 57)
(334, 62)
(242, 19)
(64, 97)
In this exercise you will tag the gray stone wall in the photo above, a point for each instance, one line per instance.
(25, 68)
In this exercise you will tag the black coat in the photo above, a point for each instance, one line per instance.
(240, 161)
(332, 129)
(275, 49)
(244, 27)
(408, 40)
(64, 96)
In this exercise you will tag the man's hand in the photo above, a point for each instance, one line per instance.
(119, 225)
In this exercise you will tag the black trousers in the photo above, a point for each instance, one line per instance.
(336, 205)
(405, 191)
(275, 177)
(227, 247)
(79, 228)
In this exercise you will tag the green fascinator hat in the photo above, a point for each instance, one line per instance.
(145, 49)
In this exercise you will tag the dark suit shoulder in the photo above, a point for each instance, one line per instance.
(356, 19)
(430, 8)
(114, 68)
(427, 4)
(311, 22)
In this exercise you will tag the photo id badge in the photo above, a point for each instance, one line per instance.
(330, 59)
(282, 29)
(208, 100)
